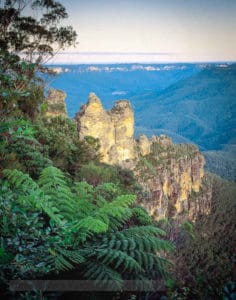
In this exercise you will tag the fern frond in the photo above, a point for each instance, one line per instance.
(124, 200)
(149, 261)
(122, 241)
(53, 184)
(113, 210)
(84, 190)
(103, 275)
(141, 215)
(85, 208)
(116, 224)
(143, 230)
(61, 263)
(51, 175)
(75, 256)
(119, 258)
(20, 181)
(64, 259)
(91, 224)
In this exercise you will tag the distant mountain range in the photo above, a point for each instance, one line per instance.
(201, 108)
(190, 102)
(113, 82)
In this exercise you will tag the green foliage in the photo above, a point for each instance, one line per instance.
(93, 142)
(20, 148)
(141, 215)
(52, 225)
(205, 258)
(176, 151)
(96, 174)
(222, 162)
(60, 137)
(37, 37)
(26, 43)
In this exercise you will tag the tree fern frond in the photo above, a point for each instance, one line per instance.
(20, 180)
(51, 175)
(122, 241)
(61, 263)
(92, 225)
(118, 258)
(32, 196)
(64, 259)
(149, 261)
(141, 215)
(111, 210)
(52, 182)
(124, 200)
(117, 223)
(85, 191)
(143, 231)
(75, 256)
(52, 212)
(103, 275)
(85, 208)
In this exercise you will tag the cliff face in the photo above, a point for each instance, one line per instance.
(114, 129)
(169, 174)
(56, 103)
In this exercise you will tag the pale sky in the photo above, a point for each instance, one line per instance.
(152, 30)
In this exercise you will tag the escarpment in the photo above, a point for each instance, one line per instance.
(170, 174)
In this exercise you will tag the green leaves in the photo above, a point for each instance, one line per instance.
(63, 259)
(91, 224)
(84, 227)
(28, 40)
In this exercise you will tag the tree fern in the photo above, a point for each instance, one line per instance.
(30, 194)
(93, 228)
(135, 252)
(103, 275)
(91, 224)
(53, 184)
(64, 259)
(20, 180)
(142, 216)
(143, 230)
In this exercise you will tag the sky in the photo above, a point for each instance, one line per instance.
(151, 31)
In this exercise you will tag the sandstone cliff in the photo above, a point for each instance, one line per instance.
(56, 103)
(170, 175)
(114, 129)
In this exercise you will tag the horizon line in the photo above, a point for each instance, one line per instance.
(143, 63)
(117, 53)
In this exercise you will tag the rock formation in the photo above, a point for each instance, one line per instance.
(114, 129)
(56, 103)
(169, 174)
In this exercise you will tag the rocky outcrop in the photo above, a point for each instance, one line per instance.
(56, 103)
(114, 129)
(169, 174)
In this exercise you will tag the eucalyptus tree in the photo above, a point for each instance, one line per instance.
(30, 34)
